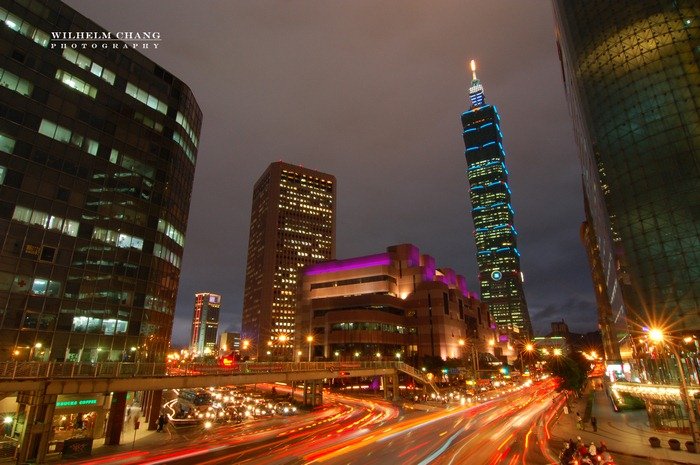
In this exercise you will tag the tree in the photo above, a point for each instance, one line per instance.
(572, 369)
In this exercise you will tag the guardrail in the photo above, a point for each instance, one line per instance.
(45, 370)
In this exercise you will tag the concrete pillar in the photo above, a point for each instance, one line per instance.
(156, 398)
(145, 403)
(38, 412)
(115, 422)
(385, 382)
(395, 383)
(306, 392)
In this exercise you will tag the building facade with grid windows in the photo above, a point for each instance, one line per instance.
(97, 159)
(292, 224)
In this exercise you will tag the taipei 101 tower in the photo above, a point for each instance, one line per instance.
(497, 257)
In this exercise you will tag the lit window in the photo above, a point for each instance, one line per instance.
(61, 134)
(87, 64)
(75, 83)
(7, 144)
(146, 98)
(27, 30)
(15, 83)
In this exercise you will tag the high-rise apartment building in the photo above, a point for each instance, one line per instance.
(498, 259)
(97, 156)
(632, 76)
(205, 323)
(292, 224)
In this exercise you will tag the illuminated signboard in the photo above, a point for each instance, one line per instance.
(74, 403)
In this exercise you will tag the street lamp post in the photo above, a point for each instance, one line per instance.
(310, 340)
(283, 338)
(657, 336)
(528, 349)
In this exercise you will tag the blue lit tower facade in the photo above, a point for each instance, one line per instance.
(497, 257)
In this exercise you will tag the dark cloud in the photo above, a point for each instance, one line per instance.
(579, 313)
(370, 92)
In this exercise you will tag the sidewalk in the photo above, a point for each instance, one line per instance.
(625, 433)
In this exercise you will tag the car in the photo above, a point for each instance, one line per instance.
(285, 408)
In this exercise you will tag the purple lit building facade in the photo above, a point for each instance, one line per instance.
(393, 305)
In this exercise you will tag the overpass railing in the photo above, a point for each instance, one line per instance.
(45, 370)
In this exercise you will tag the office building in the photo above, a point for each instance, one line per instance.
(97, 156)
(229, 342)
(292, 225)
(389, 306)
(498, 258)
(633, 83)
(205, 323)
(632, 79)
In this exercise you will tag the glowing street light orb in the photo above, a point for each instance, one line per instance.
(656, 335)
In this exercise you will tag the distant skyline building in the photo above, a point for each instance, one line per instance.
(229, 342)
(205, 322)
(498, 258)
(292, 225)
(97, 159)
(389, 306)
(632, 79)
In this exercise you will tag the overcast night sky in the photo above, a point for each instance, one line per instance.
(371, 92)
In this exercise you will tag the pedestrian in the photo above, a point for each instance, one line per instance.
(594, 424)
(161, 423)
(592, 451)
(579, 421)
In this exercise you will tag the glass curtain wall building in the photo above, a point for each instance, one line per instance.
(292, 224)
(632, 77)
(97, 159)
(498, 259)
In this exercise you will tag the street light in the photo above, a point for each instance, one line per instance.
(32, 351)
(657, 336)
(529, 348)
(310, 340)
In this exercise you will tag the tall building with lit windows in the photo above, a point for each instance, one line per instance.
(292, 224)
(498, 259)
(97, 158)
(205, 323)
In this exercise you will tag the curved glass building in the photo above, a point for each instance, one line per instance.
(632, 77)
(97, 157)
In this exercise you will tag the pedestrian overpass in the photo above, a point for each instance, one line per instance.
(38, 384)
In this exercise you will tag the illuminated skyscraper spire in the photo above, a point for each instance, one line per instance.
(498, 258)
(476, 91)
